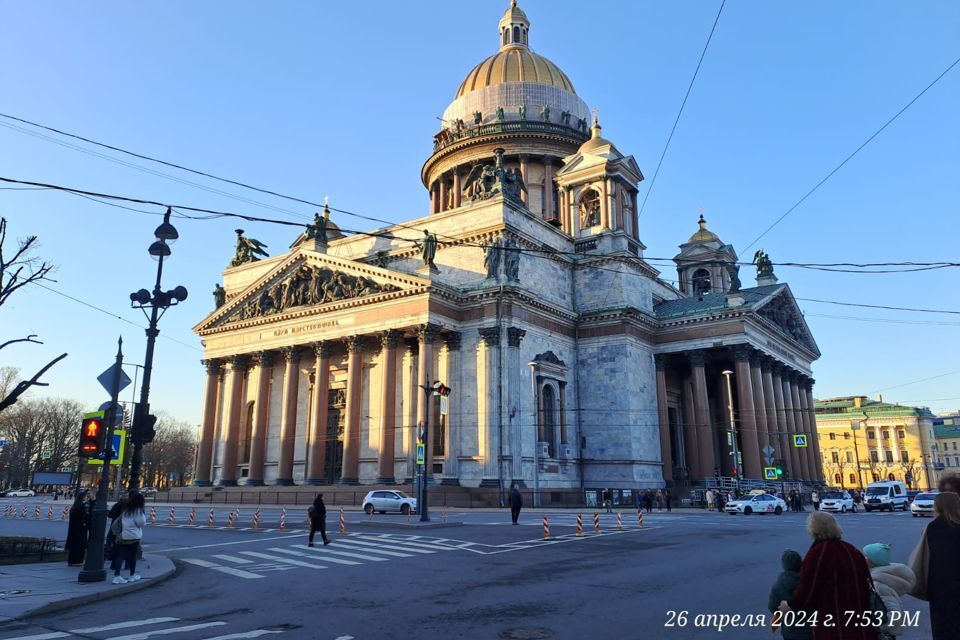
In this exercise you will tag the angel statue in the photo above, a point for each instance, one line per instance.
(318, 230)
(764, 265)
(734, 272)
(248, 250)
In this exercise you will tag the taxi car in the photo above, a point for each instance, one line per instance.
(922, 505)
(757, 503)
(837, 501)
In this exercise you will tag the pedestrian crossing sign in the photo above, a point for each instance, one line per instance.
(770, 473)
(800, 440)
(420, 453)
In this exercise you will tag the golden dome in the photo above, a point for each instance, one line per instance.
(514, 15)
(514, 64)
(596, 140)
(704, 234)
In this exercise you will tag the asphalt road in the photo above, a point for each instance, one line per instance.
(485, 579)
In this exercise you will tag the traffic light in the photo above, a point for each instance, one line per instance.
(779, 472)
(442, 390)
(145, 424)
(91, 435)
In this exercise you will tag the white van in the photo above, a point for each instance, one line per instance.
(885, 496)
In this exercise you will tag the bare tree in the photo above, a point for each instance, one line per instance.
(17, 271)
(41, 435)
(170, 455)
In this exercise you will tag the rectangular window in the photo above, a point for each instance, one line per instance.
(836, 457)
(956, 460)
(874, 457)
(948, 461)
(849, 456)
(833, 436)
(904, 456)
(886, 434)
(888, 455)
(871, 434)
(846, 436)
(954, 445)
(901, 434)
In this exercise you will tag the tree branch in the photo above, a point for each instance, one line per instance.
(22, 386)
(29, 338)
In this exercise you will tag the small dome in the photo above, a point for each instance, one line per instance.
(596, 140)
(703, 235)
(514, 64)
(514, 15)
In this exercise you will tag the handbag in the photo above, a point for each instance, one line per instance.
(116, 528)
(879, 610)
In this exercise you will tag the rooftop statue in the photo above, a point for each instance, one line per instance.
(764, 265)
(511, 260)
(545, 113)
(522, 110)
(734, 272)
(492, 256)
(428, 249)
(219, 296)
(318, 230)
(500, 114)
(477, 117)
(248, 250)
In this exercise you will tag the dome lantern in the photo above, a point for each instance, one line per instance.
(514, 27)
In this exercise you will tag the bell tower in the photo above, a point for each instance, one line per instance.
(706, 265)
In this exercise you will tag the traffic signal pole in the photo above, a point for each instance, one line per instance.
(93, 570)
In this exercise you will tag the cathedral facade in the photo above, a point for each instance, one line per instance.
(573, 364)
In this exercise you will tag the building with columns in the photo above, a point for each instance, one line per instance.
(574, 365)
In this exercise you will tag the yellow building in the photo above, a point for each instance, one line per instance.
(883, 441)
(946, 430)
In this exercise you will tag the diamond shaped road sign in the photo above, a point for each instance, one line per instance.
(107, 378)
(768, 452)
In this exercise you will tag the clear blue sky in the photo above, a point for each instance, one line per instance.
(341, 99)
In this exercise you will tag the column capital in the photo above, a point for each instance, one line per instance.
(290, 354)
(265, 359)
(453, 340)
(322, 348)
(413, 347)
(390, 339)
(548, 161)
(427, 332)
(768, 362)
(514, 335)
(490, 336)
(698, 357)
(742, 352)
(660, 360)
(212, 365)
(354, 344)
(239, 362)
(757, 359)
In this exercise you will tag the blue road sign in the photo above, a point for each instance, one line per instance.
(800, 440)
(107, 378)
(770, 473)
(119, 440)
(420, 454)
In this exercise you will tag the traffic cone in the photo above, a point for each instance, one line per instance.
(343, 522)
(579, 525)
(256, 519)
(546, 528)
(283, 519)
(596, 523)
(153, 515)
(171, 519)
(192, 517)
(619, 522)
(210, 519)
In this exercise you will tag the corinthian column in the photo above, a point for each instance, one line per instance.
(801, 424)
(207, 427)
(666, 458)
(759, 403)
(231, 421)
(451, 470)
(747, 428)
(350, 473)
(261, 418)
(388, 409)
(812, 413)
(488, 414)
(288, 415)
(705, 451)
(316, 472)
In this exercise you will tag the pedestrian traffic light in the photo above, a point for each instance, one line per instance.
(91, 434)
(442, 390)
(145, 425)
(779, 471)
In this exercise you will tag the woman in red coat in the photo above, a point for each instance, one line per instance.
(833, 595)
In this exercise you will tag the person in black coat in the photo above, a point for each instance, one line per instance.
(943, 569)
(516, 503)
(78, 529)
(115, 512)
(318, 520)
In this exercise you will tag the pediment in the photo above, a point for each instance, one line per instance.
(309, 280)
(782, 311)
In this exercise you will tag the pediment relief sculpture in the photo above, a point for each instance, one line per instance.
(781, 313)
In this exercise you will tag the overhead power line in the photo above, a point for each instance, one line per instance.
(850, 157)
(680, 112)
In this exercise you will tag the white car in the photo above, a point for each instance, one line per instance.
(760, 503)
(922, 504)
(21, 493)
(383, 501)
(837, 502)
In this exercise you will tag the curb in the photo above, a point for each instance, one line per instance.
(101, 595)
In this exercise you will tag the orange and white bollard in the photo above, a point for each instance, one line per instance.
(192, 517)
(36, 512)
(343, 522)
(256, 519)
(230, 520)
(579, 525)
(444, 515)
(66, 512)
(23, 512)
(546, 528)
(596, 523)
(153, 515)
(640, 518)
(50, 512)
(619, 522)
(283, 519)
(7, 510)
(210, 519)
(171, 520)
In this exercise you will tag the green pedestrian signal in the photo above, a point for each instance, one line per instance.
(779, 472)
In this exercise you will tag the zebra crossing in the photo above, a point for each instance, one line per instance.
(147, 628)
(351, 549)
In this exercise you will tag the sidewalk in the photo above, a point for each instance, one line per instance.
(31, 589)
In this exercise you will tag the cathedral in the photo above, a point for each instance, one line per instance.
(574, 365)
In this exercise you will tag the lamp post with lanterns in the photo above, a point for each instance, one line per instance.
(733, 430)
(158, 301)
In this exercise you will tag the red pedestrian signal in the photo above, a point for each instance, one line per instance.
(442, 390)
(91, 434)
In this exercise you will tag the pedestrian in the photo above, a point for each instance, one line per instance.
(516, 503)
(318, 520)
(667, 498)
(950, 482)
(659, 500)
(720, 501)
(112, 515)
(608, 500)
(78, 528)
(709, 499)
(891, 580)
(815, 499)
(834, 584)
(857, 498)
(936, 564)
(128, 529)
(790, 627)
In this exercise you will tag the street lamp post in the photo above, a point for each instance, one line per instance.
(436, 389)
(733, 429)
(854, 426)
(158, 302)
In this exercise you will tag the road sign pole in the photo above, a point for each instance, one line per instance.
(93, 570)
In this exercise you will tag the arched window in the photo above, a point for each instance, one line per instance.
(853, 478)
(516, 34)
(504, 36)
(702, 283)
(891, 476)
(549, 422)
(838, 479)
(589, 209)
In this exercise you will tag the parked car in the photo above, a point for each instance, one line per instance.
(837, 501)
(885, 496)
(148, 491)
(758, 503)
(20, 493)
(922, 505)
(383, 501)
